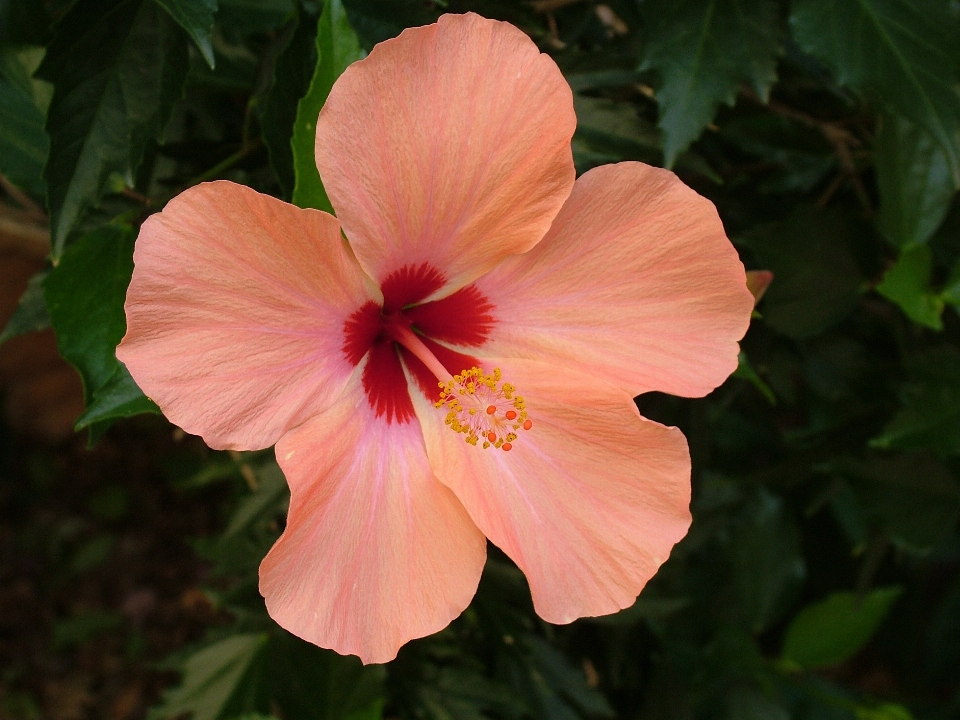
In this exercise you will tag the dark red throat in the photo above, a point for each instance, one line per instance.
(462, 319)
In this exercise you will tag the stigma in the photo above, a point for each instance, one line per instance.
(483, 408)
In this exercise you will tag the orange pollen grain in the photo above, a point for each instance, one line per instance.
(528, 424)
(509, 415)
(492, 437)
(506, 446)
(492, 409)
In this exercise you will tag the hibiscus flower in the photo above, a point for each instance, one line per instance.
(462, 366)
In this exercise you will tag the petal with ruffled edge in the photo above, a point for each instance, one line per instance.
(635, 283)
(376, 551)
(447, 145)
(588, 502)
(235, 314)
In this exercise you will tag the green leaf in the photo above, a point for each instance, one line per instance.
(105, 109)
(310, 682)
(884, 711)
(85, 295)
(899, 51)
(379, 20)
(767, 563)
(24, 22)
(610, 131)
(616, 128)
(930, 416)
(119, 397)
(564, 680)
(31, 314)
(817, 281)
(23, 142)
(271, 488)
(835, 629)
(913, 177)
(291, 79)
(951, 289)
(196, 17)
(798, 156)
(219, 682)
(703, 50)
(80, 628)
(463, 693)
(337, 47)
(240, 18)
(908, 285)
(912, 498)
(746, 372)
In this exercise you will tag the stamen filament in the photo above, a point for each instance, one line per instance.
(400, 331)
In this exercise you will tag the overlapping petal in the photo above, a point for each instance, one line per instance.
(636, 283)
(588, 502)
(376, 551)
(448, 145)
(235, 314)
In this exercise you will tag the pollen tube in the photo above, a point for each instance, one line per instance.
(487, 411)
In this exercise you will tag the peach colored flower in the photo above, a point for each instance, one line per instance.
(474, 260)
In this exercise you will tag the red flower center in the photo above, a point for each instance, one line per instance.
(464, 318)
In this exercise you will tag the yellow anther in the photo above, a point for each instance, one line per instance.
(483, 409)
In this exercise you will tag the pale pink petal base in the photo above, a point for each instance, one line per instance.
(635, 283)
(376, 551)
(235, 314)
(448, 145)
(588, 503)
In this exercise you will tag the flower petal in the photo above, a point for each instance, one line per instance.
(235, 314)
(588, 502)
(449, 144)
(636, 283)
(376, 552)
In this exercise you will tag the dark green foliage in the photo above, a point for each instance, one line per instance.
(702, 51)
(84, 295)
(106, 109)
(291, 79)
(824, 549)
(31, 314)
(196, 17)
(23, 143)
(901, 52)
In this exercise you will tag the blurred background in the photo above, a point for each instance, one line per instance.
(821, 577)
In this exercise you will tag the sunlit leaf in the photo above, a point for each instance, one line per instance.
(833, 630)
(337, 47)
(907, 284)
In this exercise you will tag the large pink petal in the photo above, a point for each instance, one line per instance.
(235, 314)
(635, 283)
(376, 551)
(448, 145)
(588, 502)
